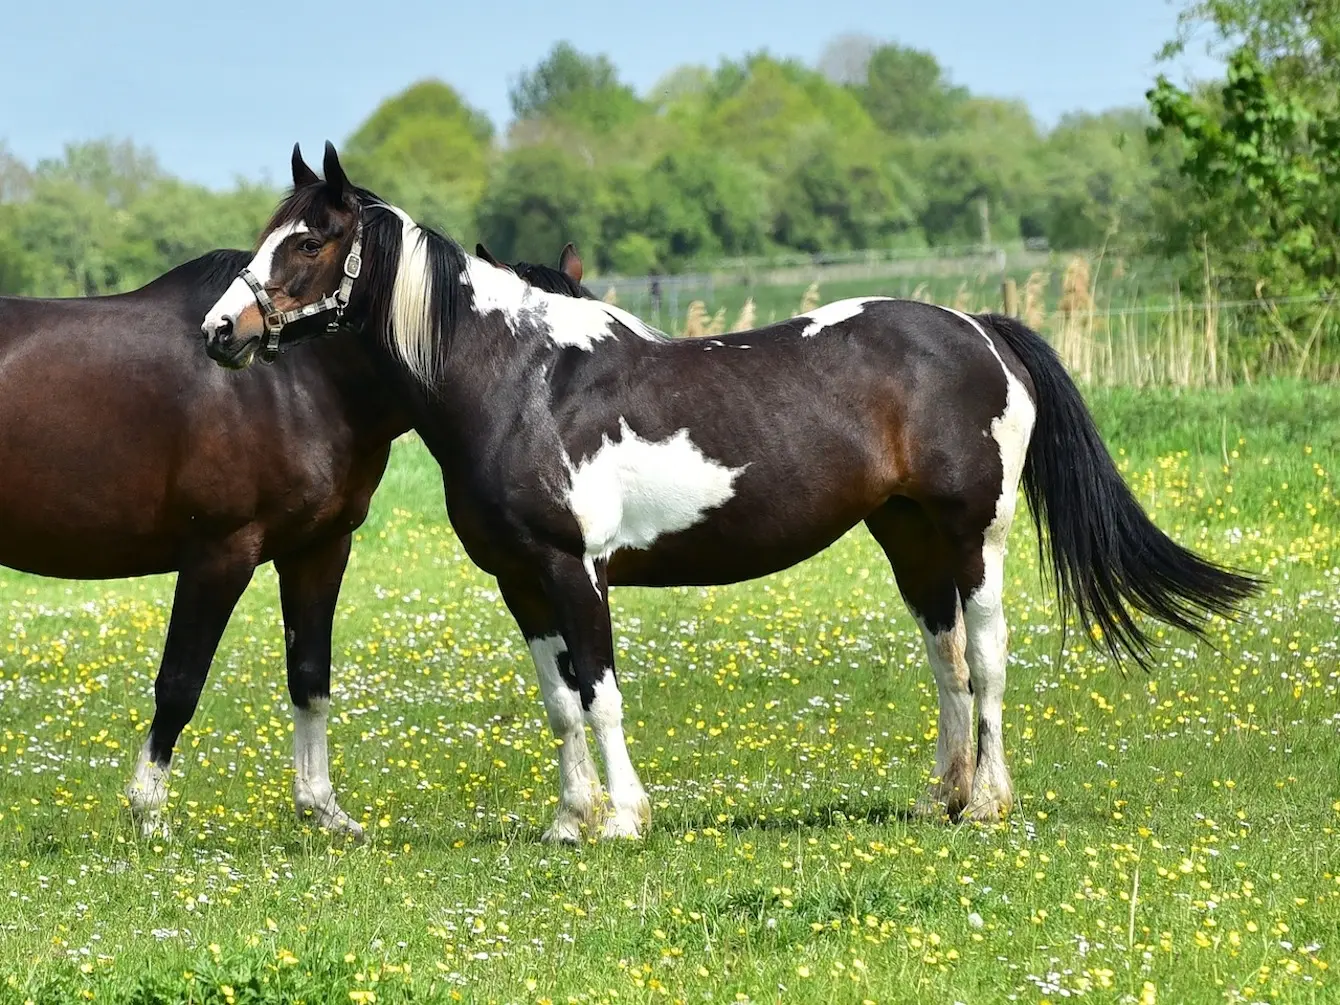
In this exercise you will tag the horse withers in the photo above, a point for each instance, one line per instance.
(580, 448)
(125, 452)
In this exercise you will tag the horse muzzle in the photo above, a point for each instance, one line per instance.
(224, 347)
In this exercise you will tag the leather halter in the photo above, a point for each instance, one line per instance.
(276, 320)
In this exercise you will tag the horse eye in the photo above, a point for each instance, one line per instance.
(310, 246)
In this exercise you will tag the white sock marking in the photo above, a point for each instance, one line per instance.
(984, 611)
(147, 790)
(631, 809)
(578, 782)
(953, 745)
(311, 786)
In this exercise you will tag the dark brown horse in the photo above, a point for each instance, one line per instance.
(581, 448)
(126, 452)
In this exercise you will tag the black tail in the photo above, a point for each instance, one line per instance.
(1105, 553)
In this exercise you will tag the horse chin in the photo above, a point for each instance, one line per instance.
(238, 358)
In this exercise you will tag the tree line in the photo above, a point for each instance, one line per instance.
(874, 147)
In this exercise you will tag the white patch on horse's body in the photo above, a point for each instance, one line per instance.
(831, 314)
(983, 610)
(630, 810)
(312, 792)
(148, 793)
(632, 491)
(239, 296)
(579, 791)
(564, 320)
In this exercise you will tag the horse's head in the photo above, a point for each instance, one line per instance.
(565, 280)
(303, 273)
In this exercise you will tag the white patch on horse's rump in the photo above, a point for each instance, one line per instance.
(631, 491)
(1011, 430)
(831, 314)
(238, 297)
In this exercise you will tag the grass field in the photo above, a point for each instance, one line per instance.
(1174, 840)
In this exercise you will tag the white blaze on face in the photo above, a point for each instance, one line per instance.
(631, 491)
(831, 314)
(238, 297)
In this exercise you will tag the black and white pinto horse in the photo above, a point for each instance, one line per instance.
(580, 448)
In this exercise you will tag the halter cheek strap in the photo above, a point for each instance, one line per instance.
(275, 320)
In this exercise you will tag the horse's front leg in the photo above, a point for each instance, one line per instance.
(581, 801)
(309, 587)
(208, 589)
(578, 591)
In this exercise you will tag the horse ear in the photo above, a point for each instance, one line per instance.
(483, 252)
(336, 182)
(302, 174)
(570, 263)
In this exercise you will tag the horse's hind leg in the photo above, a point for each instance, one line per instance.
(207, 591)
(309, 587)
(981, 579)
(924, 564)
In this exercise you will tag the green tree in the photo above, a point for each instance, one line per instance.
(841, 195)
(573, 87)
(982, 178)
(1098, 174)
(1266, 162)
(14, 265)
(907, 93)
(427, 151)
(540, 198)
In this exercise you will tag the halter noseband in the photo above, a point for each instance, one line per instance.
(276, 320)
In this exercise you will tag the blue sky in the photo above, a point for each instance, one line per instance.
(222, 90)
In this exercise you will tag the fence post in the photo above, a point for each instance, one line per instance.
(1009, 296)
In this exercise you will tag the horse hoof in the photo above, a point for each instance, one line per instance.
(564, 830)
(623, 825)
(334, 821)
(987, 808)
(152, 825)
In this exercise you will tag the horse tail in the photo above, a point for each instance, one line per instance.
(1104, 554)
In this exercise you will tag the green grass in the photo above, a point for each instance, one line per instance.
(1175, 837)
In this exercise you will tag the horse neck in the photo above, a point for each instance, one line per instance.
(365, 388)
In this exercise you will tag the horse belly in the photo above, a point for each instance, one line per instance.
(83, 494)
(698, 525)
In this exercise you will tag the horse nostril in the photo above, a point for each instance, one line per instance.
(223, 333)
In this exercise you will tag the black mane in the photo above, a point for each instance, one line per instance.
(551, 280)
(209, 274)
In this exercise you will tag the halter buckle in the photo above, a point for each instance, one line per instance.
(274, 322)
(353, 265)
